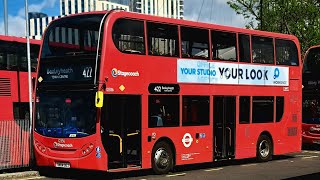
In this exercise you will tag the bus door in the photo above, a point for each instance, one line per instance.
(121, 130)
(224, 117)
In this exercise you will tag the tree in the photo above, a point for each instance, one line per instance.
(297, 17)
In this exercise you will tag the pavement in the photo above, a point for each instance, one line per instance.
(19, 175)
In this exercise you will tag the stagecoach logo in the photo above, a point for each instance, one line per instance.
(187, 140)
(115, 73)
(60, 144)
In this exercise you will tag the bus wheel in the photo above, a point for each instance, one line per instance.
(264, 149)
(162, 158)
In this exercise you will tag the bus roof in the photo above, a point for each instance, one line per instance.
(134, 15)
(18, 39)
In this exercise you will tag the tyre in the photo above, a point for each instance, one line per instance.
(264, 149)
(162, 158)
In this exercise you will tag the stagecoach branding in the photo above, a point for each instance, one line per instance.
(195, 71)
(116, 72)
(60, 144)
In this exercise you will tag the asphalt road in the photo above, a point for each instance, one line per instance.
(304, 165)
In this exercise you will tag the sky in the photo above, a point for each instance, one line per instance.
(213, 11)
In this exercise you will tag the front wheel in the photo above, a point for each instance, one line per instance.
(162, 158)
(264, 149)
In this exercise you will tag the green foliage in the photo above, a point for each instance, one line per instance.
(298, 17)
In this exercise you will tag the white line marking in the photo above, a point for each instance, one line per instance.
(214, 169)
(143, 179)
(302, 155)
(312, 152)
(173, 175)
(30, 178)
(309, 157)
(246, 165)
(292, 161)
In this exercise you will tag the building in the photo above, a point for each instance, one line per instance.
(68, 7)
(39, 23)
(164, 8)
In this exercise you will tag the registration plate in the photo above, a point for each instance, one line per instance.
(62, 165)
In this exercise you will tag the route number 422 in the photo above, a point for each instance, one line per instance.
(87, 72)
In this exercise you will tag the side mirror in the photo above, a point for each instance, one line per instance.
(99, 99)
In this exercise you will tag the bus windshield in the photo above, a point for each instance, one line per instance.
(72, 36)
(311, 111)
(65, 114)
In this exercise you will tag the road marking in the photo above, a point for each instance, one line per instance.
(173, 175)
(312, 152)
(246, 165)
(302, 155)
(292, 161)
(214, 169)
(309, 157)
(286, 160)
(30, 178)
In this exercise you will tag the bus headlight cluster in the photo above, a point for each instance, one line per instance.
(40, 147)
(87, 149)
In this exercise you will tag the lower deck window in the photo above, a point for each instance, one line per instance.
(163, 111)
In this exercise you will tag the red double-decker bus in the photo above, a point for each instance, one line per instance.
(14, 99)
(311, 97)
(129, 91)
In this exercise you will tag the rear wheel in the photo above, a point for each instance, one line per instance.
(264, 149)
(162, 158)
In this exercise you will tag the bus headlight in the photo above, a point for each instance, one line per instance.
(40, 147)
(86, 149)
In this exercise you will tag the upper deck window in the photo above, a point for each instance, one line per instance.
(262, 50)
(287, 53)
(244, 48)
(162, 39)
(128, 36)
(72, 35)
(224, 46)
(195, 43)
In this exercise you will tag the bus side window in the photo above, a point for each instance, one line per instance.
(163, 111)
(286, 53)
(279, 108)
(3, 63)
(262, 109)
(12, 62)
(262, 50)
(244, 112)
(244, 48)
(162, 40)
(128, 36)
(196, 110)
(195, 43)
(224, 46)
